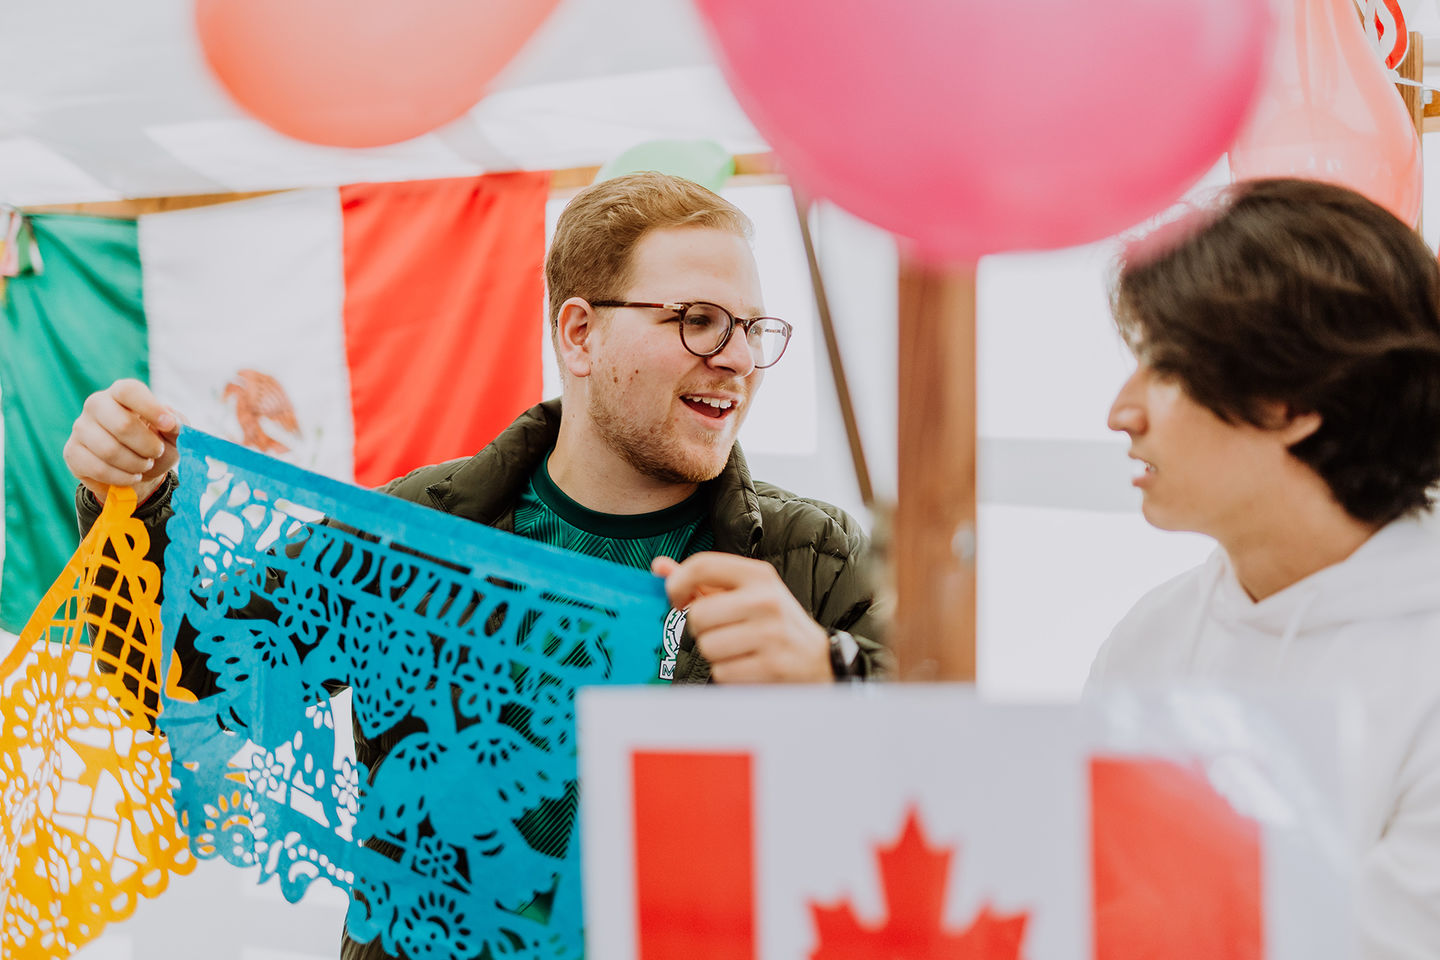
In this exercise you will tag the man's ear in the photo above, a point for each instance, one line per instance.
(1294, 426)
(574, 326)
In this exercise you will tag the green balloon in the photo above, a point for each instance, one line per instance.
(703, 161)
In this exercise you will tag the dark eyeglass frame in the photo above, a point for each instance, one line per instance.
(682, 306)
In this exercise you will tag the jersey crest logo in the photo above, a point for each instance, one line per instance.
(674, 629)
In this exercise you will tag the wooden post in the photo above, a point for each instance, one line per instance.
(1413, 68)
(934, 545)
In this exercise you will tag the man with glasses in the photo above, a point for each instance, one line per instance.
(657, 320)
(656, 317)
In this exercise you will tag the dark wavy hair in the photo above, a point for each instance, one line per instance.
(1313, 296)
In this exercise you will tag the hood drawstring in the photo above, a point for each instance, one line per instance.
(1292, 628)
(1192, 657)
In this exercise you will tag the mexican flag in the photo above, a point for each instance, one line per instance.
(359, 332)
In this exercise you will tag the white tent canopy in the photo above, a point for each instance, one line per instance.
(103, 101)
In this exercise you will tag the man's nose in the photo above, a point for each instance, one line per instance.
(736, 355)
(1127, 414)
(1125, 419)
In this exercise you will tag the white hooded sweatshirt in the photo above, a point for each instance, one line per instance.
(1368, 626)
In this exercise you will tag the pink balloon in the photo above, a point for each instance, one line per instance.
(361, 73)
(1328, 111)
(975, 126)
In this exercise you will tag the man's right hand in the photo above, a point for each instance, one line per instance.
(124, 437)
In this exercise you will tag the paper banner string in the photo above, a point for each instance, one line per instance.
(86, 822)
(463, 648)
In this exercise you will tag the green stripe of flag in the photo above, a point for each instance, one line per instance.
(65, 334)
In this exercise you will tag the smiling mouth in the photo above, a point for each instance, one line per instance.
(711, 407)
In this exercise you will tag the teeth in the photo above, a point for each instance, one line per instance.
(1142, 467)
(717, 404)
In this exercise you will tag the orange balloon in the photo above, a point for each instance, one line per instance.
(361, 73)
(1329, 111)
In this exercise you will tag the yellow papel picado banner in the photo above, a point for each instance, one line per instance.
(87, 824)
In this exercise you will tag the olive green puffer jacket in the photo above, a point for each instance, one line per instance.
(819, 551)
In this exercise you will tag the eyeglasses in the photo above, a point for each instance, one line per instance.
(705, 329)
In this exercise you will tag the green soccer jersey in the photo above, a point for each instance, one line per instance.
(546, 514)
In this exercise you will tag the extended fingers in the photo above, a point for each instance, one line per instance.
(706, 573)
(765, 653)
(142, 430)
(745, 669)
(732, 641)
(745, 620)
(122, 437)
(105, 433)
(139, 400)
(747, 605)
(95, 472)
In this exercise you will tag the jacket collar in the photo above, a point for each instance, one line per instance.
(486, 487)
(735, 508)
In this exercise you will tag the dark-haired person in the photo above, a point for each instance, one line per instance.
(1286, 402)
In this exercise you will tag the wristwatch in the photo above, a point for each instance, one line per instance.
(844, 651)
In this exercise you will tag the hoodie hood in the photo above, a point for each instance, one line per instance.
(1363, 633)
(1395, 573)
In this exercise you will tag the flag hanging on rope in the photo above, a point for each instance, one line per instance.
(65, 332)
(358, 332)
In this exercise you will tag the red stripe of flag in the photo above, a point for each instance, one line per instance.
(1177, 871)
(694, 856)
(444, 284)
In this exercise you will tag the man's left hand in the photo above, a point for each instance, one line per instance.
(745, 620)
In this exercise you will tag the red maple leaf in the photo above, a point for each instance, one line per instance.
(914, 877)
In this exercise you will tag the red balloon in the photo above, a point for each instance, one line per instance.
(361, 73)
(1329, 112)
(975, 126)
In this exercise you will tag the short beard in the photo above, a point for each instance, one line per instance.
(649, 451)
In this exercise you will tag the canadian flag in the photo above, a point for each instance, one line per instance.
(923, 824)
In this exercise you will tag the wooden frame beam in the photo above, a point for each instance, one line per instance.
(750, 168)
